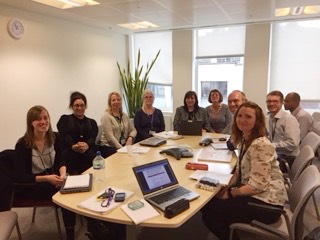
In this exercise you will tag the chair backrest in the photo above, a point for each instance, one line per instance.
(311, 139)
(302, 160)
(7, 162)
(99, 134)
(300, 193)
(316, 116)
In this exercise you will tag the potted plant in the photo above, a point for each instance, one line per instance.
(134, 84)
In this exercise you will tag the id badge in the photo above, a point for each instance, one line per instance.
(122, 141)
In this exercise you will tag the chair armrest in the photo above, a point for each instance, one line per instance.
(267, 207)
(269, 229)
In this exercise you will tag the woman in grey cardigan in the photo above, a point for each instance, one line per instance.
(191, 111)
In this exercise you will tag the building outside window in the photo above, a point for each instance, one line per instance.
(219, 61)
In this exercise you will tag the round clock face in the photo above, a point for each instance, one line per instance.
(15, 28)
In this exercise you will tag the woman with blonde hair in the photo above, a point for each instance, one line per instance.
(117, 129)
(148, 119)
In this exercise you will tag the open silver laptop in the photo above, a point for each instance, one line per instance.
(159, 184)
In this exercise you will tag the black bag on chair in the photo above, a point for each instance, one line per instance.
(101, 230)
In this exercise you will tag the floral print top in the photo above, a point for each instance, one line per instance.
(260, 170)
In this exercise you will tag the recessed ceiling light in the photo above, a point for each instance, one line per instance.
(281, 12)
(65, 4)
(296, 11)
(311, 9)
(138, 25)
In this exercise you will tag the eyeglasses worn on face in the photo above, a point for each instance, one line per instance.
(79, 106)
(272, 101)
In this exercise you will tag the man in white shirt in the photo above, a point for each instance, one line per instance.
(235, 99)
(306, 121)
(284, 131)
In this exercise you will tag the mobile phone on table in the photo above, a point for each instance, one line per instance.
(135, 205)
(120, 197)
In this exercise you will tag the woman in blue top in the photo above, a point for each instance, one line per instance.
(148, 119)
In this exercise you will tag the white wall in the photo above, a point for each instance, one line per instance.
(53, 58)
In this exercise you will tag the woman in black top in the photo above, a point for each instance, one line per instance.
(78, 134)
(39, 160)
(148, 119)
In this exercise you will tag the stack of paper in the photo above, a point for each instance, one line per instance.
(168, 135)
(134, 149)
(210, 154)
(141, 214)
(94, 205)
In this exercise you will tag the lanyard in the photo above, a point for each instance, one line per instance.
(242, 153)
(121, 126)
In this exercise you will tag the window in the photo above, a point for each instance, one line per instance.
(160, 80)
(219, 61)
(295, 61)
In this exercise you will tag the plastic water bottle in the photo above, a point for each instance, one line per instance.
(98, 167)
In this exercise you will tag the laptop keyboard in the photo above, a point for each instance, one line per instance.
(167, 196)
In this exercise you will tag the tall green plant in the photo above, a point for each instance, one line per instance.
(134, 84)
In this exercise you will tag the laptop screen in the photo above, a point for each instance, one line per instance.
(192, 128)
(155, 176)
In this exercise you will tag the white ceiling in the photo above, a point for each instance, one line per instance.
(168, 14)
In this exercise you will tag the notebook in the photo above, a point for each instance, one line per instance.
(153, 142)
(77, 183)
(192, 128)
(157, 180)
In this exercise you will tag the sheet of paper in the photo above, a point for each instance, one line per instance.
(223, 178)
(141, 214)
(210, 154)
(168, 135)
(94, 205)
(76, 181)
(134, 149)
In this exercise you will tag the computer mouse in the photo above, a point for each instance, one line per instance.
(205, 142)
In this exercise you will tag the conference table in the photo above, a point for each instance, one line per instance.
(119, 174)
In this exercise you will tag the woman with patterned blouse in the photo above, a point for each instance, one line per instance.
(257, 178)
(220, 116)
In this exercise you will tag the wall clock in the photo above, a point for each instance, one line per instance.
(15, 28)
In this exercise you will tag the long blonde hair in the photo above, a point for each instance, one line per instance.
(33, 114)
(109, 108)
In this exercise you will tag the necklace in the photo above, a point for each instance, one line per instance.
(216, 111)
